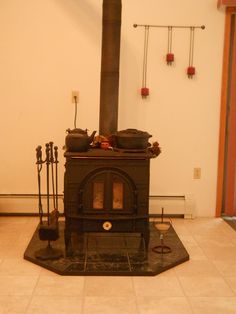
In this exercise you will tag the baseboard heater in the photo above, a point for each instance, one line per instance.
(173, 205)
(27, 205)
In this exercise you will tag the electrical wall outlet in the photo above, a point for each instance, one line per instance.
(197, 173)
(75, 96)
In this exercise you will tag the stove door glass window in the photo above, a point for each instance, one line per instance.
(98, 195)
(118, 195)
(107, 191)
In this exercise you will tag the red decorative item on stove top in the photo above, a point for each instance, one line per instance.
(144, 92)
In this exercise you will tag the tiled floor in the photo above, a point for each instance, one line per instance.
(206, 284)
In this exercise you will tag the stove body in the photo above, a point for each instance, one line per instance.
(106, 191)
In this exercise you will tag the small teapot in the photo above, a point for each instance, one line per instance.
(77, 140)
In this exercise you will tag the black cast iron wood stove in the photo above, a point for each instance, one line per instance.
(106, 191)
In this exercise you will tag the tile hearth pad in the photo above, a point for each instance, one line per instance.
(116, 254)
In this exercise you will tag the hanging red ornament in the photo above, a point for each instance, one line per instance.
(144, 89)
(191, 71)
(144, 92)
(169, 56)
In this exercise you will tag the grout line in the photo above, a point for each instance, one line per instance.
(187, 298)
(32, 294)
(135, 295)
(83, 296)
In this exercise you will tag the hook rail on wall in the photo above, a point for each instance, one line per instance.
(169, 56)
(166, 26)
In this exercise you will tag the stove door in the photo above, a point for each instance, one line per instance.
(108, 191)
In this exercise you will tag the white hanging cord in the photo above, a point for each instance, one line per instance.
(76, 109)
(191, 48)
(145, 55)
(169, 47)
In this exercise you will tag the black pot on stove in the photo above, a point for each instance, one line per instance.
(131, 139)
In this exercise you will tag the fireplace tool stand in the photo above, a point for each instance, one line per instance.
(48, 229)
(163, 227)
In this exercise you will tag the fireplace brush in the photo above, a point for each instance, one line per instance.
(48, 230)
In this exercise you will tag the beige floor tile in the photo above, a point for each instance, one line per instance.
(196, 253)
(18, 267)
(228, 230)
(220, 254)
(60, 286)
(25, 238)
(207, 227)
(213, 305)
(165, 305)
(232, 282)
(46, 272)
(188, 240)
(109, 286)
(226, 268)
(14, 304)
(159, 286)
(181, 230)
(55, 304)
(233, 239)
(13, 220)
(8, 238)
(218, 241)
(12, 251)
(17, 285)
(204, 286)
(110, 305)
(168, 273)
(194, 267)
(205, 232)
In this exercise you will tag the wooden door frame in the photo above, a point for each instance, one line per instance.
(223, 112)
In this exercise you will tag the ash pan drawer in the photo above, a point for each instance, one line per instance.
(108, 225)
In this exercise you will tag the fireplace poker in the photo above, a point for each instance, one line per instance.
(52, 173)
(39, 168)
(47, 151)
(56, 173)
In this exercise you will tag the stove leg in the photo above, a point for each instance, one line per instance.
(146, 237)
(68, 244)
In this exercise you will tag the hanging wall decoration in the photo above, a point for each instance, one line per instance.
(145, 89)
(169, 56)
(191, 71)
(191, 68)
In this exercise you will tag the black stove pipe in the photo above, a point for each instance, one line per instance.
(109, 83)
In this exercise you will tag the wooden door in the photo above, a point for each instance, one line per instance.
(229, 200)
(226, 190)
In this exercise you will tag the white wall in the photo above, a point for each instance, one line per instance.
(49, 48)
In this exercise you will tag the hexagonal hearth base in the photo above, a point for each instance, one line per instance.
(116, 254)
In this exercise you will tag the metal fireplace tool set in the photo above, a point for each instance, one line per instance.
(48, 228)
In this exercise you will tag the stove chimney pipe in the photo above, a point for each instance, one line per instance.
(109, 84)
